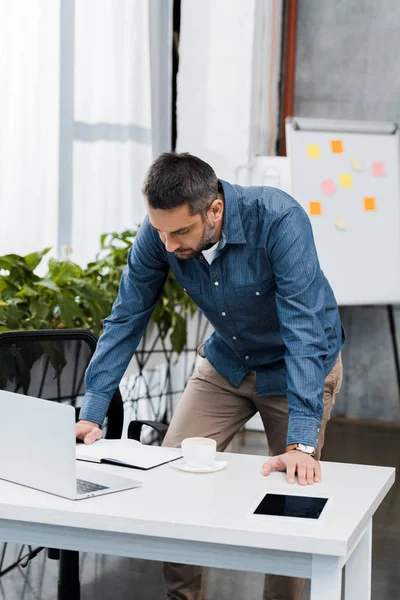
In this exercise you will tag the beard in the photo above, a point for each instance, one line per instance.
(205, 243)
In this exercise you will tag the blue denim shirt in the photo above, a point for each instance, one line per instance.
(271, 306)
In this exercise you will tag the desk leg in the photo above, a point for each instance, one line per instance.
(68, 580)
(326, 578)
(357, 575)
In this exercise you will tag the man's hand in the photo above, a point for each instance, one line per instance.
(87, 432)
(307, 468)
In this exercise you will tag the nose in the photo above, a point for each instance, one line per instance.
(170, 244)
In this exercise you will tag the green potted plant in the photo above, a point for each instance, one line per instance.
(71, 296)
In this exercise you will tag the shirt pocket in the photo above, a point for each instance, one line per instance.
(253, 290)
(192, 288)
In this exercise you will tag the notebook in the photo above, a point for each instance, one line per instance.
(127, 453)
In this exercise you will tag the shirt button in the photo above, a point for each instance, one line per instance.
(234, 337)
(223, 314)
(216, 282)
(257, 293)
(247, 357)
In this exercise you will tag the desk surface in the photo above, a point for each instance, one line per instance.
(216, 508)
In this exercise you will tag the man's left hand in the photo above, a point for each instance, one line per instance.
(294, 462)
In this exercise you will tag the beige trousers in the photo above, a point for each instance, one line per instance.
(211, 407)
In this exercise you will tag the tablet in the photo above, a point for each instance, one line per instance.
(282, 505)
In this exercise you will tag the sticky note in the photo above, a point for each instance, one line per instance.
(369, 204)
(346, 180)
(313, 150)
(356, 165)
(378, 169)
(315, 208)
(340, 224)
(337, 146)
(328, 187)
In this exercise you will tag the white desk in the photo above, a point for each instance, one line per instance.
(206, 520)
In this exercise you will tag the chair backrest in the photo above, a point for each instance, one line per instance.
(51, 364)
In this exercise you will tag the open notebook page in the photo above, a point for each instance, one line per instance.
(127, 452)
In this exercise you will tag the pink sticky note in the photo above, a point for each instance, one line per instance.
(378, 169)
(328, 187)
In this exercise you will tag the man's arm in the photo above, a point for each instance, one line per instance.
(301, 307)
(300, 300)
(140, 289)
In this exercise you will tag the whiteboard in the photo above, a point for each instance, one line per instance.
(345, 174)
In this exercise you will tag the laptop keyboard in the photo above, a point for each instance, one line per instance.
(85, 487)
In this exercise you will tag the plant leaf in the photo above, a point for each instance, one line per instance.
(11, 260)
(40, 313)
(27, 292)
(70, 311)
(34, 259)
(47, 284)
(13, 316)
(178, 333)
(3, 284)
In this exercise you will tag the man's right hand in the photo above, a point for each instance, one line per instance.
(87, 432)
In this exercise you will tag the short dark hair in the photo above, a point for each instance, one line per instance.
(175, 179)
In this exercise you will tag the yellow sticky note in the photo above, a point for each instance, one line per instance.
(369, 204)
(313, 150)
(346, 180)
(356, 165)
(315, 208)
(337, 146)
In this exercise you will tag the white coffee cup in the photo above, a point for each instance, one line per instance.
(199, 451)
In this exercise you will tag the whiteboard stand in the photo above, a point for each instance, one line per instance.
(392, 327)
(346, 175)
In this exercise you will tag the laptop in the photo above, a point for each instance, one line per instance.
(38, 450)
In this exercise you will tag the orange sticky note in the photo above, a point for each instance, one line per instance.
(369, 204)
(315, 208)
(337, 146)
(313, 151)
(346, 180)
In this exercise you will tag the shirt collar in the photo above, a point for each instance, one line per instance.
(232, 232)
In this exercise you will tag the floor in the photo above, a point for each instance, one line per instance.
(105, 577)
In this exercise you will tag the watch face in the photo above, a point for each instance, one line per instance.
(306, 449)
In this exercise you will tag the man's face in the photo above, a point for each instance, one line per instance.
(183, 234)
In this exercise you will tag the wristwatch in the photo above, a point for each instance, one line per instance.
(310, 450)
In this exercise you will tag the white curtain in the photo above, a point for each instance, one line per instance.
(82, 83)
(29, 124)
(228, 82)
(112, 110)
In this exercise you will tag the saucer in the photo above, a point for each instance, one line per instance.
(218, 465)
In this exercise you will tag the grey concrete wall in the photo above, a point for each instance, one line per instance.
(348, 66)
(348, 59)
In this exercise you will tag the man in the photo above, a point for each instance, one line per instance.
(247, 258)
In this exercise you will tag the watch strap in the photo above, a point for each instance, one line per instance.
(296, 447)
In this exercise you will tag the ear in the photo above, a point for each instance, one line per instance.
(216, 210)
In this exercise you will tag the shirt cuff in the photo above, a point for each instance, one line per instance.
(94, 408)
(303, 429)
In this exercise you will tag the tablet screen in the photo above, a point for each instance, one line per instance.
(281, 505)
